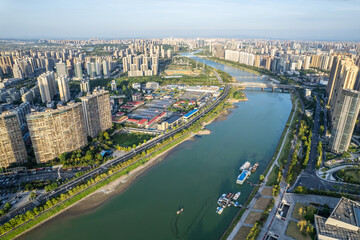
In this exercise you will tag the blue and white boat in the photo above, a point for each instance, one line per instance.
(243, 176)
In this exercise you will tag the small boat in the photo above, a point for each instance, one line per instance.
(180, 211)
(245, 166)
(253, 169)
(219, 210)
(236, 204)
(230, 195)
(236, 196)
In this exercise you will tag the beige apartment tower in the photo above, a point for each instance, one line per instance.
(343, 76)
(54, 132)
(64, 89)
(12, 147)
(97, 112)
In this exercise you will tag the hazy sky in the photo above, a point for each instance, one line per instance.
(282, 19)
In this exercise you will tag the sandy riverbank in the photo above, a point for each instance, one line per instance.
(203, 132)
(233, 100)
(99, 197)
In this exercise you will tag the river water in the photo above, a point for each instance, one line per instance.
(192, 177)
(239, 75)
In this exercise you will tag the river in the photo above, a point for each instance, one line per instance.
(239, 75)
(192, 176)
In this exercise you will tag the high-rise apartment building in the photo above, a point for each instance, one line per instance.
(343, 76)
(113, 85)
(54, 132)
(12, 146)
(344, 119)
(97, 112)
(78, 71)
(85, 86)
(106, 69)
(61, 69)
(47, 86)
(17, 72)
(125, 64)
(307, 62)
(64, 89)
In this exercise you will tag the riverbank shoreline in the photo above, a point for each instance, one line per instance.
(106, 192)
(99, 197)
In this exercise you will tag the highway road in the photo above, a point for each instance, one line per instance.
(104, 167)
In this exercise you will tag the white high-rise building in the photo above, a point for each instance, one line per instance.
(78, 71)
(85, 86)
(106, 69)
(61, 69)
(125, 64)
(17, 72)
(47, 86)
(98, 67)
(64, 89)
(113, 85)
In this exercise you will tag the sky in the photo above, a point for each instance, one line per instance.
(334, 20)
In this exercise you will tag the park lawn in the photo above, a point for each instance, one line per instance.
(242, 233)
(273, 176)
(350, 175)
(295, 213)
(129, 139)
(267, 192)
(253, 217)
(262, 203)
(294, 232)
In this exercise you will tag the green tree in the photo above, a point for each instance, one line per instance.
(62, 158)
(262, 177)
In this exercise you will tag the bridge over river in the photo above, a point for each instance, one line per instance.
(263, 86)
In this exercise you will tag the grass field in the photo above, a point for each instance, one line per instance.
(262, 203)
(128, 139)
(350, 175)
(273, 176)
(242, 233)
(294, 232)
(309, 209)
(253, 217)
(295, 213)
(267, 192)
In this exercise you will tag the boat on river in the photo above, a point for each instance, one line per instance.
(180, 211)
(245, 166)
(253, 168)
(243, 176)
(219, 210)
(236, 196)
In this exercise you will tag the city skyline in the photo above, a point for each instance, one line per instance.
(306, 20)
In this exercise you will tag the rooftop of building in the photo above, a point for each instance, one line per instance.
(6, 114)
(331, 231)
(173, 119)
(191, 113)
(48, 111)
(347, 211)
